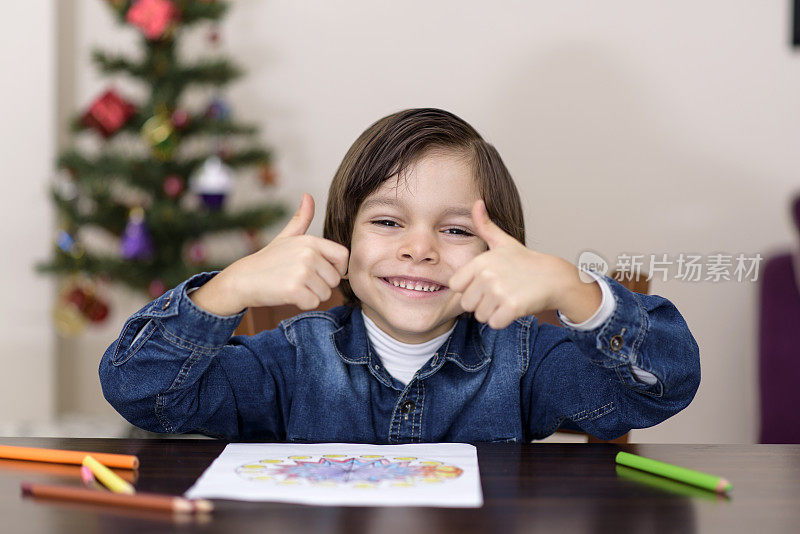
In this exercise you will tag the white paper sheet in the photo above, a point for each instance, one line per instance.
(350, 474)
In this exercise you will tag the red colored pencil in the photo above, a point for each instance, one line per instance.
(149, 501)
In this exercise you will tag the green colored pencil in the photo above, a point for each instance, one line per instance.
(681, 474)
(668, 485)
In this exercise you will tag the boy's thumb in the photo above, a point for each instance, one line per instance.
(486, 229)
(299, 223)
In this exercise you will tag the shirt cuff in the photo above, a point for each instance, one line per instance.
(601, 315)
(188, 323)
(606, 309)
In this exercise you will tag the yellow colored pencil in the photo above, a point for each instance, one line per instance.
(107, 476)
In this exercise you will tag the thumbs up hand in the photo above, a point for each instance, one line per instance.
(509, 280)
(294, 268)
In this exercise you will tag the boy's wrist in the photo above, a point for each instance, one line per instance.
(218, 296)
(576, 299)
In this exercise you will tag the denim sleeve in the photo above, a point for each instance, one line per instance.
(583, 379)
(175, 368)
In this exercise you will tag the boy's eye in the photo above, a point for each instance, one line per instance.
(458, 231)
(450, 231)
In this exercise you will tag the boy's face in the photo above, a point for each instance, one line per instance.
(418, 227)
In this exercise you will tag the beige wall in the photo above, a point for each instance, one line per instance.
(27, 145)
(631, 126)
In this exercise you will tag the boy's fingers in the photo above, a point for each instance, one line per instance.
(334, 252)
(299, 223)
(472, 298)
(462, 277)
(328, 272)
(319, 287)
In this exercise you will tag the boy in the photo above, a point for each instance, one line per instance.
(437, 341)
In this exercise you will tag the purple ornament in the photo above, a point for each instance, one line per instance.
(213, 201)
(212, 182)
(218, 110)
(136, 241)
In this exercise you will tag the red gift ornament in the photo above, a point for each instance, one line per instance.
(87, 304)
(96, 311)
(108, 113)
(78, 298)
(153, 17)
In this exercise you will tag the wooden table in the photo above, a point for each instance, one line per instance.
(549, 487)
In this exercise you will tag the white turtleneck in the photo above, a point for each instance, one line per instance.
(401, 360)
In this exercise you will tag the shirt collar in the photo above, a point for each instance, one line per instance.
(463, 347)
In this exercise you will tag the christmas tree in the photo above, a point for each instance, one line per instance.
(157, 178)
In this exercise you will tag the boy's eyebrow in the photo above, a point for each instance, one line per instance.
(460, 211)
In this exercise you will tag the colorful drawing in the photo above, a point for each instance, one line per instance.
(365, 471)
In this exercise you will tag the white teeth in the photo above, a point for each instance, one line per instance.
(417, 287)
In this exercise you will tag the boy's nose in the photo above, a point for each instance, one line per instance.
(419, 247)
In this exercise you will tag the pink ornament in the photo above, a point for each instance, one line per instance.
(174, 185)
(153, 17)
(197, 253)
(180, 118)
(156, 288)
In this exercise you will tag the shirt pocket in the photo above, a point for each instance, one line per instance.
(133, 337)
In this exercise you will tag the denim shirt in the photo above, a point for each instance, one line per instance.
(176, 368)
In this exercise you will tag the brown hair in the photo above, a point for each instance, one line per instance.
(397, 141)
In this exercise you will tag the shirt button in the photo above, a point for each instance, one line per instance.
(616, 343)
(376, 367)
(407, 406)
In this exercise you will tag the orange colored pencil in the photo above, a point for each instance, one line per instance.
(149, 501)
(124, 461)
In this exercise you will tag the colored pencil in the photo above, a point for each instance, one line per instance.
(681, 474)
(668, 485)
(124, 461)
(107, 477)
(149, 501)
(88, 479)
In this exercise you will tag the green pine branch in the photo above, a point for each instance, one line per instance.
(193, 11)
(217, 72)
(170, 228)
(166, 220)
(198, 125)
(111, 218)
(135, 274)
(174, 223)
(145, 172)
(237, 159)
